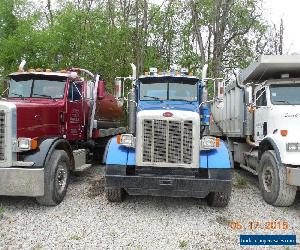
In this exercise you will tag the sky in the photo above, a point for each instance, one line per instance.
(289, 11)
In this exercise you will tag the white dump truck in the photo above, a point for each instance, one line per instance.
(259, 115)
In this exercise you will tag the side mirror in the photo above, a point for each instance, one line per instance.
(221, 90)
(5, 83)
(118, 88)
(101, 89)
(248, 96)
(5, 87)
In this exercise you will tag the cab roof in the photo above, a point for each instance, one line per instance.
(144, 77)
(66, 74)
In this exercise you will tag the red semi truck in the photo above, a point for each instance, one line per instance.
(50, 125)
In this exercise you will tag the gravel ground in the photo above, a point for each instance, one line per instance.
(85, 220)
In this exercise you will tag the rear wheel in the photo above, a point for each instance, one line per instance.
(219, 199)
(273, 181)
(57, 176)
(114, 194)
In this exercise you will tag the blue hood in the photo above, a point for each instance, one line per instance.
(168, 105)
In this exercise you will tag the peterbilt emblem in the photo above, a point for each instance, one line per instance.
(167, 114)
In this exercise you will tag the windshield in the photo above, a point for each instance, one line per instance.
(38, 86)
(168, 88)
(285, 94)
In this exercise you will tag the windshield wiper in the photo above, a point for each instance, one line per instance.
(284, 101)
(16, 95)
(49, 96)
(180, 100)
(153, 97)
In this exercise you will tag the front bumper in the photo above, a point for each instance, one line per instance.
(22, 182)
(293, 176)
(171, 185)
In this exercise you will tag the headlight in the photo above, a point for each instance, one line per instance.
(127, 140)
(25, 144)
(293, 147)
(209, 142)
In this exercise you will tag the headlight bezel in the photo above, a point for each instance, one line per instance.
(26, 144)
(127, 140)
(293, 147)
(209, 143)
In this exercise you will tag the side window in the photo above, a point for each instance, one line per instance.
(75, 90)
(261, 97)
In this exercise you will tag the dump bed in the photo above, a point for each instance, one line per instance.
(234, 120)
(271, 67)
(229, 120)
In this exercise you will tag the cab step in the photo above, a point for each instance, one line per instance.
(82, 167)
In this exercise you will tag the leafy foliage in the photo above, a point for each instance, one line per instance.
(106, 36)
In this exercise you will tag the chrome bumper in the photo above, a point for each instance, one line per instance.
(22, 182)
(293, 176)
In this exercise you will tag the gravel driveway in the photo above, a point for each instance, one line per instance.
(85, 220)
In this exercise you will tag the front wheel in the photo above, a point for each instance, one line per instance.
(57, 174)
(272, 181)
(114, 194)
(219, 199)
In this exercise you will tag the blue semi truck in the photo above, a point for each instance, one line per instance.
(165, 152)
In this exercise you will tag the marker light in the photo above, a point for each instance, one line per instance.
(284, 132)
(153, 71)
(184, 72)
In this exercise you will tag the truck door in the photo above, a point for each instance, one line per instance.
(261, 115)
(74, 112)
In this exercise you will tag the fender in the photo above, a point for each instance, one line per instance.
(42, 155)
(220, 157)
(116, 154)
(263, 146)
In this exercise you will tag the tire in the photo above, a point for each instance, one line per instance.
(114, 194)
(219, 199)
(57, 175)
(273, 181)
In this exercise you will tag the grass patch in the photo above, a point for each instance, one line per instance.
(183, 243)
(75, 237)
(1, 211)
(241, 182)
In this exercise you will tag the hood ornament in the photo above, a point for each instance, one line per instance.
(168, 114)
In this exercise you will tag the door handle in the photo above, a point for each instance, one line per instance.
(166, 182)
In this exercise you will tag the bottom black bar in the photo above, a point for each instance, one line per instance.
(168, 185)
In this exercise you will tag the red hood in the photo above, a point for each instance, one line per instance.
(38, 118)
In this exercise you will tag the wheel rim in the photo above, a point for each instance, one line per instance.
(268, 177)
(61, 178)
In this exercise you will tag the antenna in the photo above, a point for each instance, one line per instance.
(21, 66)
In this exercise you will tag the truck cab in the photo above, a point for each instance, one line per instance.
(260, 121)
(50, 125)
(166, 153)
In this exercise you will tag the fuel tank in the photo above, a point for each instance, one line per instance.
(109, 112)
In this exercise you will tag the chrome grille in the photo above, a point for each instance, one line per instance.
(167, 141)
(2, 135)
